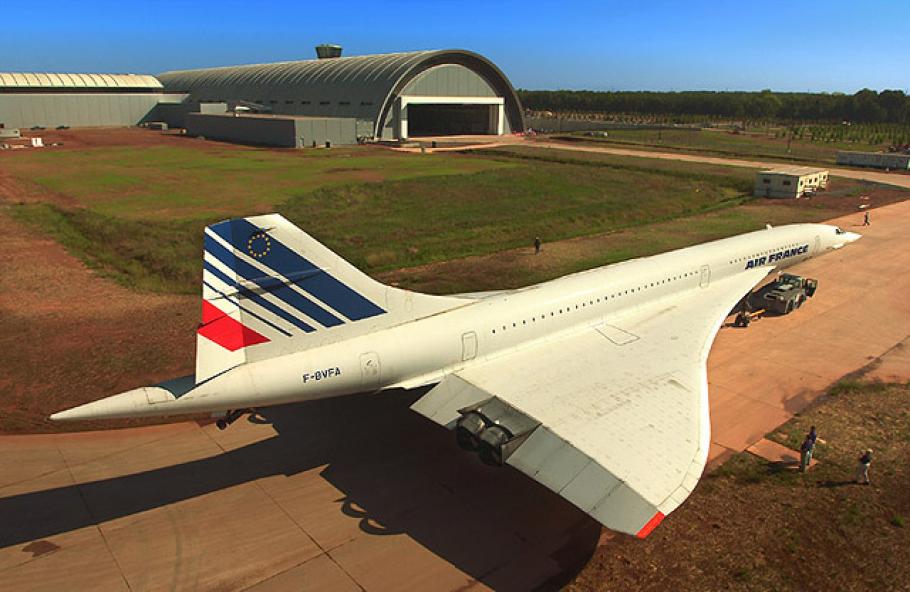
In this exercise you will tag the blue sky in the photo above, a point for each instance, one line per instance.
(787, 46)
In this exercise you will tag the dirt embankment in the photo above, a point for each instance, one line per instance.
(69, 336)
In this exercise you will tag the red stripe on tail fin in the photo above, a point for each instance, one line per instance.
(651, 525)
(225, 331)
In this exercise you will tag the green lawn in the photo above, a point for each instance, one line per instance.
(439, 218)
(167, 183)
(142, 212)
(145, 209)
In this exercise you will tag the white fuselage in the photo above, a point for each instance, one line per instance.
(424, 350)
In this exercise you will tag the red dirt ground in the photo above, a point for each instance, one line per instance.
(104, 136)
(69, 336)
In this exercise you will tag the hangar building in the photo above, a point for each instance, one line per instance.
(79, 100)
(377, 97)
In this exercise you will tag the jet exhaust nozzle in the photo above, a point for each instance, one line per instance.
(468, 429)
(492, 441)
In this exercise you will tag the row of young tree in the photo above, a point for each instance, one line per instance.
(866, 106)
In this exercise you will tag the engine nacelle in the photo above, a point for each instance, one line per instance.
(494, 429)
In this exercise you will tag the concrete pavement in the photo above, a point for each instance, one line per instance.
(766, 373)
(362, 494)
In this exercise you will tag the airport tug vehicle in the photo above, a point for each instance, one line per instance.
(788, 293)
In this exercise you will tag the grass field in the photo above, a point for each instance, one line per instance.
(753, 144)
(139, 220)
(176, 183)
(513, 270)
(385, 211)
(752, 525)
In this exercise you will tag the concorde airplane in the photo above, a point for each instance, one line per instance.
(594, 384)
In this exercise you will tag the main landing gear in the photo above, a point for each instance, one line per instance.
(230, 417)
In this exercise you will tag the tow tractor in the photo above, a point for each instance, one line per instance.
(783, 296)
(788, 293)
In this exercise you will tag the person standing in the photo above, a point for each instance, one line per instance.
(862, 469)
(866, 218)
(537, 244)
(807, 450)
(813, 433)
(805, 453)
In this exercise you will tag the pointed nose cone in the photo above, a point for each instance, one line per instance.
(852, 237)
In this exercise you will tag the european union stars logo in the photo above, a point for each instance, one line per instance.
(258, 245)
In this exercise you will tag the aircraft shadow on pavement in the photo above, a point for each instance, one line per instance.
(397, 472)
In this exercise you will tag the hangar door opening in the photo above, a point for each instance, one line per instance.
(449, 116)
(451, 120)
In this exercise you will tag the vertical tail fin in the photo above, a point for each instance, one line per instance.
(270, 289)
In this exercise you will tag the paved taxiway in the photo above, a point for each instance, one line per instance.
(361, 493)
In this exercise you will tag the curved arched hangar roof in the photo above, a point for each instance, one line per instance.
(361, 87)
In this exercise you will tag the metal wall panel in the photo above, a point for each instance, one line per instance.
(338, 131)
(449, 80)
(24, 110)
(281, 132)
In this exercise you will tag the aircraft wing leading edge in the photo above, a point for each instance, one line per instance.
(616, 417)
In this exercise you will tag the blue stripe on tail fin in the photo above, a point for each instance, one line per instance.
(258, 244)
(270, 284)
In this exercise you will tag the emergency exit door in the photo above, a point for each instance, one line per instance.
(704, 277)
(468, 346)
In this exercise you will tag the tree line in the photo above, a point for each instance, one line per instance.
(865, 106)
